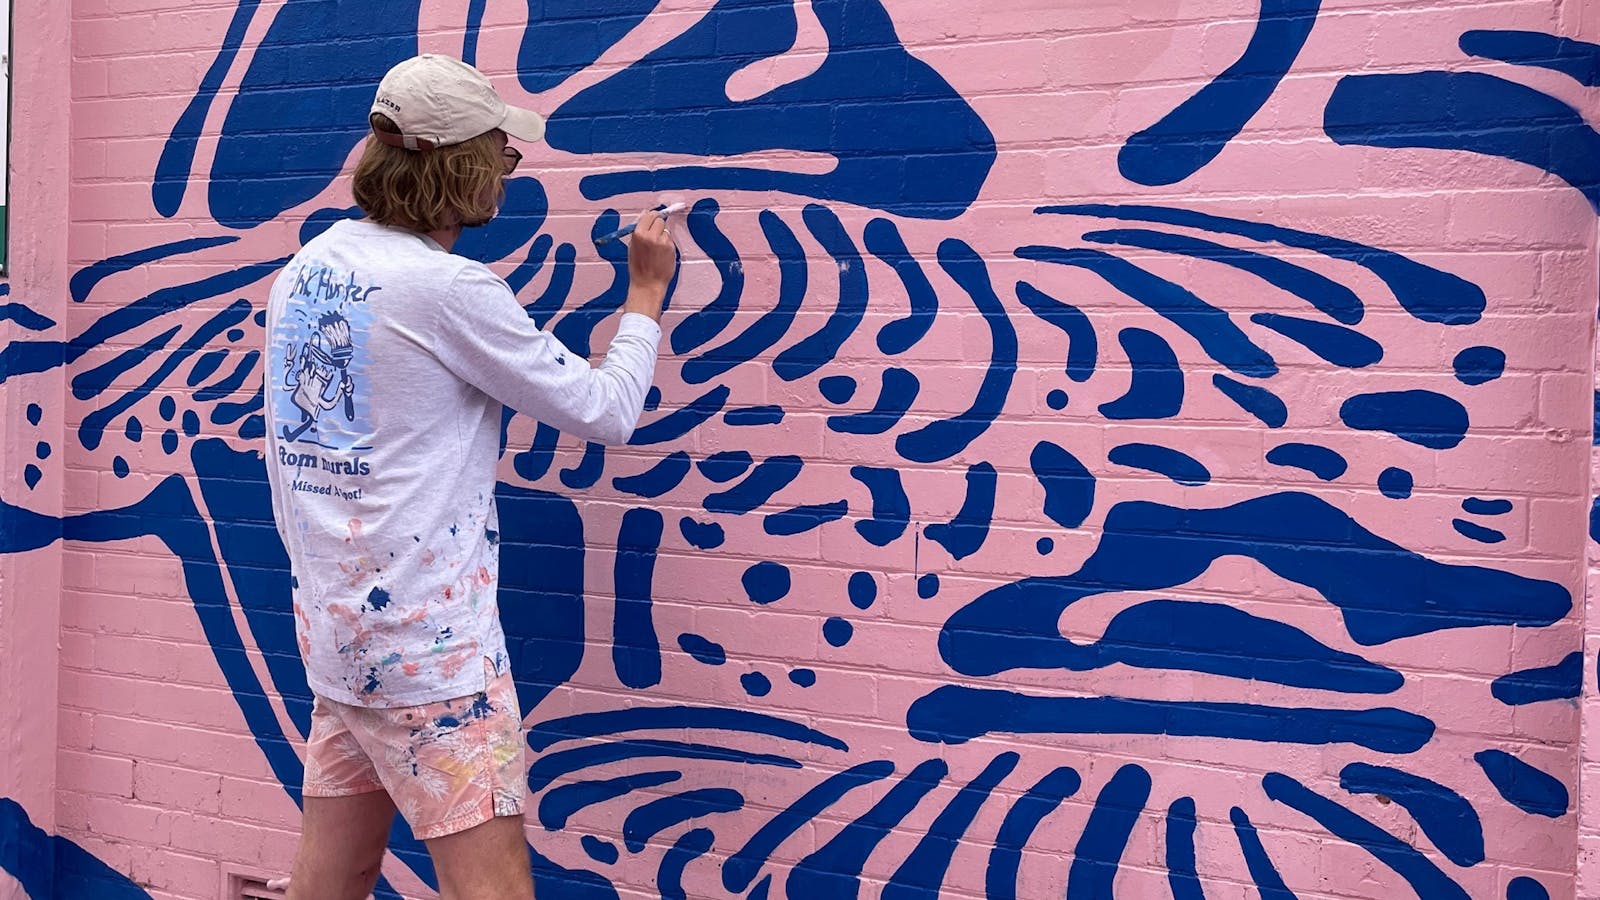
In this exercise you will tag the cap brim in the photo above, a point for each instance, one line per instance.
(523, 124)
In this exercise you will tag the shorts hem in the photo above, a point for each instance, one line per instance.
(458, 824)
(330, 791)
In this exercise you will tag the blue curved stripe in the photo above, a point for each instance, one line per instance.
(1000, 878)
(1191, 136)
(522, 213)
(1424, 877)
(589, 468)
(944, 438)
(821, 347)
(703, 651)
(669, 877)
(743, 866)
(576, 328)
(563, 37)
(801, 519)
(725, 465)
(1424, 292)
(233, 382)
(1068, 484)
(47, 867)
(922, 874)
(761, 334)
(25, 317)
(635, 649)
(1562, 681)
(1481, 507)
(1425, 418)
(955, 714)
(1105, 835)
(531, 265)
(1444, 815)
(1324, 294)
(555, 294)
(651, 819)
(708, 321)
(1476, 532)
(599, 851)
(1529, 789)
(86, 385)
(899, 391)
(769, 477)
(559, 804)
(1335, 343)
(1253, 399)
(1175, 464)
(891, 509)
(92, 430)
(1083, 347)
(834, 869)
(1320, 461)
(469, 41)
(1210, 326)
(551, 766)
(1156, 391)
(1262, 871)
(1182, 874)
(1469, 111)
(962, 536)
(177, 157)
(661, 477)
(206, 365)
(1579, 59)
(534, 462)
(680, 422)
(883, 240)
(754, 415)
(657, 718)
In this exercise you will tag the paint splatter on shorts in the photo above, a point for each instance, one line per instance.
(448, 765)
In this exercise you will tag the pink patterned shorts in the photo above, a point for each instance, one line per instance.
(448, 765)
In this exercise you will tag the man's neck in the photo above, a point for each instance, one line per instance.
(444, 237)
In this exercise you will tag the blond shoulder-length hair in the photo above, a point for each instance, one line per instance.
(429, 190)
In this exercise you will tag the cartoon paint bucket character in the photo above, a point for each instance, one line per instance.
(319, 378)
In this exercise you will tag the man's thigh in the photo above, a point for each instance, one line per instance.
(486, 862)
(342, 841)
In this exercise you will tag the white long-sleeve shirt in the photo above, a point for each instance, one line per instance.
(388, 361)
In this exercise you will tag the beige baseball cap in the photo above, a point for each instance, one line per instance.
(438, 101)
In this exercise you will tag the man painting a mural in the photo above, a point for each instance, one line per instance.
(391, 360)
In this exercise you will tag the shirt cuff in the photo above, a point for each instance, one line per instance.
(640, 325)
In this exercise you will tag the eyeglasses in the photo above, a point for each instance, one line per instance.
(512, 157)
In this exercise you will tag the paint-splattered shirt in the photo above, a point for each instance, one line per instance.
(388, 361)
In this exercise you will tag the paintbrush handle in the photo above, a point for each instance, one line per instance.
(628, 229)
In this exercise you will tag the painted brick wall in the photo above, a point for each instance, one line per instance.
(1121, 448)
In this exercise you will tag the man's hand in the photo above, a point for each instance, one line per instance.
(652, 260)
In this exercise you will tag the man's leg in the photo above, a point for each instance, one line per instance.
(342, 840)
(486, 862)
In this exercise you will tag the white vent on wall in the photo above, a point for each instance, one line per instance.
(245, 887)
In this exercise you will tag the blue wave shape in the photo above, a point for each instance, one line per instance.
(895, 397)
(1191, 136)
(834, 869)
(802, 519)
(586, 473)
(883, 240)
(1156, 389)
(551, 766)
(1105, 835)
(891, 509)
(1175, 464)
(1262, 871)
(1000, 878)
(765, 331)
(559, 804)
(1531, 790)
(1562, 681)
(962, 536)
(1068, 484)
(1426, 293)
(1318, 460)
(1182, 872)
(1468, 111)
(819, 349)
(659, 479)
(1425, 418)
(708, 321)
(681, 421)
(1578, 59)
(656, 816)
(669, 877)
(770, 476)
(635, 649)
(922, 874)
(1335, 343)
(743, 866)
(1253, 399)
(1083, 347)
(1444, 815)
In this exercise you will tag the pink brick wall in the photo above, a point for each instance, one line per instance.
(1255, 531)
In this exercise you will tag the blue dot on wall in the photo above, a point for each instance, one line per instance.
(120, 467)
(1525, 888)
(1479, 365)
(191, 422)
(32, 474)
(755, 684)
(134, 429)
(236, 334)
(169, 408)
(652, 399)
(1395, 483)
(766, 582)
(42, 450)
(35, 413)
(927, 585)
(803, 677)
(838, 388)
(838, 631)
(169, 442)
(1045, 546)
(863, 590)
(261, 317)
(600, 851)
(1056, 399)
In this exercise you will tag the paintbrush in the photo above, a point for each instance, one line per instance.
(628, 229)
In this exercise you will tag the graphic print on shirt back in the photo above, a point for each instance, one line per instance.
(319, 365)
